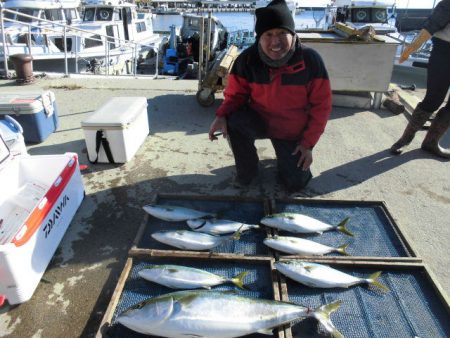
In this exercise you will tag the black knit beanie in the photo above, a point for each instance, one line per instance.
(275, 15)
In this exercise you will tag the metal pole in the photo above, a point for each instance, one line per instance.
(77, 45)
(65, 52)
(208, 42)
(5, 57)
(29, 39)
(200, 56)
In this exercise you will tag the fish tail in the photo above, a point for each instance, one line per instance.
(239, 280)
(322, 314)
(342, 227)
(342, 250)
(373, 280)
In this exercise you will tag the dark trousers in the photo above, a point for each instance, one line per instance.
(244, 127)
(438, 78)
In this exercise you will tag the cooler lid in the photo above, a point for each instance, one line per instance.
(26, 102)
(4, 151)
(10, 129)
(116, 112)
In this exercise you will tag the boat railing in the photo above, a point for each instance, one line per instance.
(47, 26)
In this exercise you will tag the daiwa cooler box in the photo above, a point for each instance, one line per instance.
(36, 112)
(116, 130)
(39, 197)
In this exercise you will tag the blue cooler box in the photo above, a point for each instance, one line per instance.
(35, 111)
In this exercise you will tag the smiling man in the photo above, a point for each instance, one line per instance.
(277, 89)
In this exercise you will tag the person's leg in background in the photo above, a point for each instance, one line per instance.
(437, 88)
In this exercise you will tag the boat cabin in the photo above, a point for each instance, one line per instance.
(361, 13)
(62, 11)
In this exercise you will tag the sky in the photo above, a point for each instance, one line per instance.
(399, 3)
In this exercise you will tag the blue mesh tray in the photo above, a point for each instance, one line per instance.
(134, 289)
(244, 210)
(375, 232)
(412, 307)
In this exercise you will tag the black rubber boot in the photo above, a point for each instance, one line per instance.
(438, 128)
(418, 119)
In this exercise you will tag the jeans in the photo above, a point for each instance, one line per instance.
(244, 127)
(438, 78)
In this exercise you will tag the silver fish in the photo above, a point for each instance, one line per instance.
(191, 240)
(184, 277)
(216, 226)
(173, 213)
(322, 276)
(300, 246)
(204, 313)
(298, 223)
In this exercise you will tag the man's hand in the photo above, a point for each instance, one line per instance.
(306, 157)
(219, 124)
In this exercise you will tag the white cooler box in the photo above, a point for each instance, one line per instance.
(116, 130)
(35, 111)
(39, 197)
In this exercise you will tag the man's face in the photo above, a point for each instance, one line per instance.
(276, 43)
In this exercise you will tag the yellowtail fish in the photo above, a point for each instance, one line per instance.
(191, 240)
(322, 276)
(300, 246)
(216, 226)
(203, 313)
(173, 213)
(184, 277)
(298, 223)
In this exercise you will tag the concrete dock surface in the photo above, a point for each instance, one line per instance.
(351, 162)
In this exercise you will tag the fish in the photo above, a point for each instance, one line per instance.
(298, 223)
(174, 213)
(215, 226)
(300, 246)
(191, 240)
(322, 276)
(205, 313)
(184, 277)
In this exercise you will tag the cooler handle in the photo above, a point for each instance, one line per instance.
(14, 123)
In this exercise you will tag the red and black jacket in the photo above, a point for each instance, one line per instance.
(293, 100)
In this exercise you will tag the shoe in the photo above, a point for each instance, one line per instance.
(418, 119)
(438, 128)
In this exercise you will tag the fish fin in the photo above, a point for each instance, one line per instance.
(237, 235)
(309, 268)
(268, 332)
(322, 314)
(373, 280)
(342, 227)
(342, 250)
(201, 225)
(238, 280)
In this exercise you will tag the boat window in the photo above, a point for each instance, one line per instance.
(70, 13)
(104, 14)
(361, 15)
(89, 14)
(10, 15)
(140, 27)
(94, 41)
(379, 15)
(53, 14)
(27, 11)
